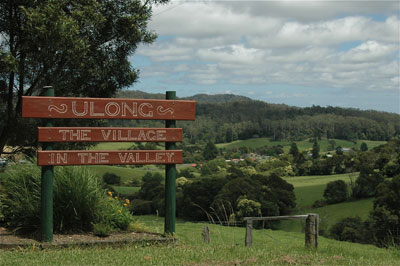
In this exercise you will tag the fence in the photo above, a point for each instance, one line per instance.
(311, 228)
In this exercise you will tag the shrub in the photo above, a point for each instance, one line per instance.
(141, 207)
(111, 179)
(335, 192)
(79, 201)
(102, 230)
(348, 229)
(366, 183)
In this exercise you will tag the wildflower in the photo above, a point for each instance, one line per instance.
(115, 197)
(110, 193)
(119, 211)
(126, 205)
(127, 201)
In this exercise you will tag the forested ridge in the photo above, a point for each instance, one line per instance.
(227, 117)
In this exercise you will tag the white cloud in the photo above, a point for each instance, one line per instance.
(314, 43)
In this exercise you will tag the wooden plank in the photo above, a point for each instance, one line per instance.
(108, 134)
(107, 108)
(123, 157)
(271, 218)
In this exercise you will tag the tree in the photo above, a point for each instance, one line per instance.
(364, 146)
(366, 183)
(210, 151)
(348, 229)
(80, 47)
(294, 151)
(335, 192)
(315, 149)
(385, 217)
(339, 150)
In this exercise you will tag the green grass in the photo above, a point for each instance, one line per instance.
(302, 145)
(126, 173)
(308, 189)
(112, 146)
(126, 191)
(226, 248)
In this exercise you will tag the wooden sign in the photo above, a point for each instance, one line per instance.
(107, 108)
(85, 157)
(108, 134)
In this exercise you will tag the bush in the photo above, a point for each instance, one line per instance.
(78, 201)
(102, 230)
(335, 192)
(348, 229)
(366, 183)
(141, 207)
(111, 179)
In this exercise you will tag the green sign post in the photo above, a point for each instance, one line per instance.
(46, 200)
(170, 179)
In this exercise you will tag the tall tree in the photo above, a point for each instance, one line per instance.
(80, 47)
(210, 151)
(315, 149)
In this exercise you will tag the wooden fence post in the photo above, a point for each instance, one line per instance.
(206, 234)
(249, 233)
(311, 230)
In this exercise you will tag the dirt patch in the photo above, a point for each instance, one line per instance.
(11, 240)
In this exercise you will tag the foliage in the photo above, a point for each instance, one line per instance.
(210, 151)
(153, 190)
(367, 183)
(275, 195)
(111, 179)
(141, 207)
(151, 186)
(335, 192)
(363, 147)
(247, 208)
(198, 197)
(385, 218)
(102, 230)
(315, 149)
(82, 48)
(78, 201)
(348, 229)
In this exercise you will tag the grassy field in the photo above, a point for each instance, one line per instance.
(125, 191)
(302, 145)
(226, 248)
(308, 189)
(126, 173)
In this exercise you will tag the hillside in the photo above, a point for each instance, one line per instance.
(226, 248)
(223, 118)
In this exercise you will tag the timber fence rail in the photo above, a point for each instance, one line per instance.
(311, 227)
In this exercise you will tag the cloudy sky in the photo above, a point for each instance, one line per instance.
(300, 53)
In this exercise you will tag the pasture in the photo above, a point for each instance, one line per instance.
(226, 248)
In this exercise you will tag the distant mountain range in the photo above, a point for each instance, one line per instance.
(226, 117)
(201, 98)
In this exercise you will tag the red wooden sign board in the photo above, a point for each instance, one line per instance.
(85, 157)
(107, 108)
(108, 134)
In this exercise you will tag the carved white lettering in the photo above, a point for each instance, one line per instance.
(64, 133)
(92, 113)
(115, 106)
(105, 135)
(85, 109)
(132, 110)
(142, 113)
